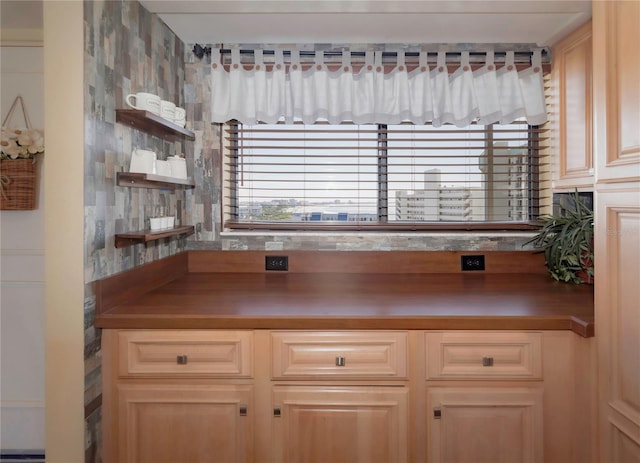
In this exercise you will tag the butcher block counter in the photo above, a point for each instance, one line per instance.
(343, 290)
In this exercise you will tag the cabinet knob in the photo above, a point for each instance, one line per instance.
(182, 359)
(487, 361)
(243, 410)
(276, 412)
(341, 361)
(437, 413)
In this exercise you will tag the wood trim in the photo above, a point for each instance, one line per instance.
(530, 262)
(619, 180)
(584, 327)
(388, 322)
(124, 286)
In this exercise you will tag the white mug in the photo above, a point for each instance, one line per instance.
(167, 110)
(145, 101)
(180, 117)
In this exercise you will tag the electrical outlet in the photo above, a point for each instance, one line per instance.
(472, 262)
(276, 263)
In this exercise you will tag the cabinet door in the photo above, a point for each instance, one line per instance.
(616, 73)
(572, 82)
(351, 424)
(616, 35)
(184, 423)
(618, 323)
(484, 425)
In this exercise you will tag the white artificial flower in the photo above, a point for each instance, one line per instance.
(17, 143)
(13, 150)
(7, 134)
(32, 140)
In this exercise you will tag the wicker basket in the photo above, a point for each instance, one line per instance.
(18, 181)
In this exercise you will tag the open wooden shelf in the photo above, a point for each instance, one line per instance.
(144, 236)
(140, 180)
(153, 124)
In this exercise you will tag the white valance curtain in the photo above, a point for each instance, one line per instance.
(262, 93)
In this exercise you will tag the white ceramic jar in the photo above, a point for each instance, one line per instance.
(178, 167)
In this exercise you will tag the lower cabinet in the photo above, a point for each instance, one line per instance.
(485, 425)
(291, 396)
(339, 396)
(484, 397)
(177, 396)
(184, 423)
(330, 424)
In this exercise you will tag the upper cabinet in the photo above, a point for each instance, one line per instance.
(572, 85)
(616, 90)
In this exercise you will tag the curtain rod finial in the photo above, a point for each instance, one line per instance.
(200, 51)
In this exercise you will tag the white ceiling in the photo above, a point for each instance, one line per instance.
(350, 21)
(371, 21)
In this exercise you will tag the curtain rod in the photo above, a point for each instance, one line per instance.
(201, 51)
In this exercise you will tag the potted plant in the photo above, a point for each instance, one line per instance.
(19, 150)
(567, 242)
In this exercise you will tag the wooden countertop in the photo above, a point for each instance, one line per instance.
(283, 300)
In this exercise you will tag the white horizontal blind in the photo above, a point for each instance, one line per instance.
(322, 176)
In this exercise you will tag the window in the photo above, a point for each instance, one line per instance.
(383, 176)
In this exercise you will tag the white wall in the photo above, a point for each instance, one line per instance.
(22, 379)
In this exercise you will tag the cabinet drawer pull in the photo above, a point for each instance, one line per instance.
(243, 410)
(487, 361)
(182, 359)
(341, 361)
(276, 412)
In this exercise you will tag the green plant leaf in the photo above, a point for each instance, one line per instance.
(567, 242)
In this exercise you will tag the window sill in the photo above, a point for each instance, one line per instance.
(405, 234)
(391, 227)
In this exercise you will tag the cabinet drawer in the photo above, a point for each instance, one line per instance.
(354, 354)
(165, 352)
(484, 355)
